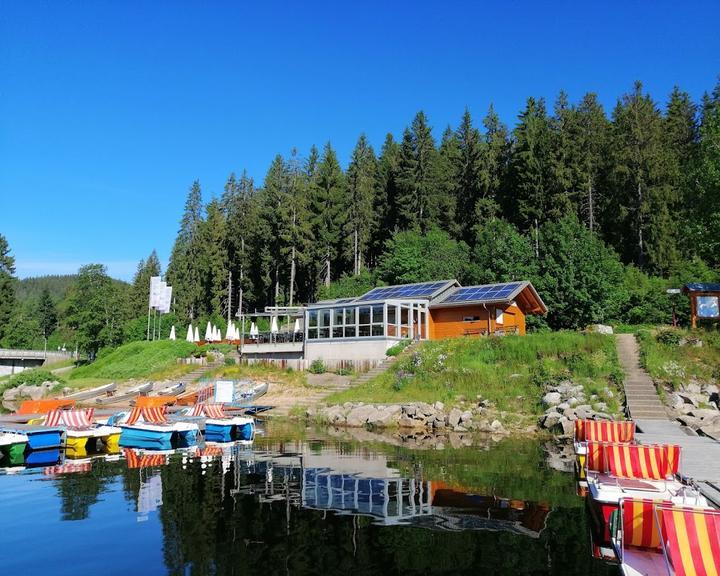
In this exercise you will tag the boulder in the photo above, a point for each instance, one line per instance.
(360, 415)
(693, 388)
(600, 329)
(687, 398)
(10, 394)
(409, 409)
(453, 418)
(406, 422)
(689, 421)
(567, 426)
(552, 398)
(440, 406)
(497, 426)
(382, 418)
(465, 417)
(550, 420)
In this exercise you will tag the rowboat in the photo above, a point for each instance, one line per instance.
(251, 391)
(105, 389)
(172, 390)
(146, 427)
(12, 445)
(653, 538)
(128, 394)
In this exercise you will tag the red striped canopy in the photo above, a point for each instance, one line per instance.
(135, 460)
(68, 468)
(637, 461)
(691, 539)
(79, 418)
(595, 458)
(154, 415)
(638, 522)
(605, 431)
(205, 393)
(214, 410)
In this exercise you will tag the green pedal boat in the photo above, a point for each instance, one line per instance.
(12, 446)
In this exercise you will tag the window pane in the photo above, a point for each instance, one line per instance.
(377, 330)
(377, 314)
(364, 330)
(325, 318)
(392, 330)
(312, 334)
(350, 315)
(324, 332)
(313, 316)
(392, 314)
(350, 332)
(337, 317)
(404, 316)
(337, 332)
(365, 315)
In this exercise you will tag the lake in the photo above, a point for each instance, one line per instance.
(297, 501)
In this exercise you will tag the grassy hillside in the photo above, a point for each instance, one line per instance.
(136, 360)
(512, 372)
(675, 357)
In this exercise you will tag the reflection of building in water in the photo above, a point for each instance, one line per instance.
(149, 496)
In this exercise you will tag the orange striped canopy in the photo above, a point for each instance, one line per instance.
(150, 415)
(80, 418)
(135, 460)
(637, 461)
(605, 431)
(638, 522)
(595, 458)
(691, 539)
(214, 410)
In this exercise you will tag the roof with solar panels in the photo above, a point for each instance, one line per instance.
(446, 293)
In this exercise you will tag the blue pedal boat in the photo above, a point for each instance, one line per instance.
(221, 426)
(149, 428)
(39, 437)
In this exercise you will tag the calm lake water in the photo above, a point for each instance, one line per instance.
(297, 501)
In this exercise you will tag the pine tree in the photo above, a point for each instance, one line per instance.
(213, 259)
(529, 200)
(467, 164)
(46, 314)
(328, 200)
(494, 163)
(185, 270)
(7, 285)
(418, 199)
(444, 206)
(385, 204)
(645, 229)
(140, 294)
(361, 185)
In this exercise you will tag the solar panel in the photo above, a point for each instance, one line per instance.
(491, 292)
(409, 291)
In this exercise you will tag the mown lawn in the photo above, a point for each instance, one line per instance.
(266, 372)
(153, 360)
(511, 372)
(671, 358)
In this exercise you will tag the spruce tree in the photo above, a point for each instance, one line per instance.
(468, 173)
(361, 186)
(185, 270)
(329, 202)
(645, 228)
(494, 162)
(7, 285)
(385, 207)
(213, 260)
(140, 293)
(47, 314)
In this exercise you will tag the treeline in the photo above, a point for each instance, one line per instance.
(590, 207)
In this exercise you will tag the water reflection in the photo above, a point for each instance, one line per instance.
(317, 505)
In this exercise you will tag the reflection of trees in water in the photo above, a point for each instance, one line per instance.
(79, 491)
(208, 531)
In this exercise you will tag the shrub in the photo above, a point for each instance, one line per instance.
(397, 348)
(317, 366)
(344, 371)
(668, 337)
(229, 361)
(32, 378)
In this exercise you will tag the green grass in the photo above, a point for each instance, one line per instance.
(512, 372)
(672, 364)
(266, 372)
(137, 360)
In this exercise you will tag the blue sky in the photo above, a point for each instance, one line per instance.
(109, 110)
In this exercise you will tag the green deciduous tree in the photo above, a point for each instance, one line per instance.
(501, 254)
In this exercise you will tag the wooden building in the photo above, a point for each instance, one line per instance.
(704, 301)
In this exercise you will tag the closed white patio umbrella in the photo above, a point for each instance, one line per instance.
(253, 329)
(230, 332)
(189, 336)
(208, 332)
(172, 333)
(197, 335)
(296, 328)
(274, 325)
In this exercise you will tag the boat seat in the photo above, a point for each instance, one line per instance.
(643, 561)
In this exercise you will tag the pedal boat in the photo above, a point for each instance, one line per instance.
(221, 426)
(12, 445)
(80, 429)
(615, 432)
(146, 427)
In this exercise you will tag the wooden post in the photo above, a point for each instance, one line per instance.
(693, 310)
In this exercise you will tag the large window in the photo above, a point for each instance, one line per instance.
(367, 321)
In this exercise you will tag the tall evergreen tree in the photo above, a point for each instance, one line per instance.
(213, 258)
(646, 197)
(495, 158)
(7, 284)
(186, 268)
(361, 186)
(386, 198)
(468, 173)
(328, 198)
(46, 314)
(140, 294)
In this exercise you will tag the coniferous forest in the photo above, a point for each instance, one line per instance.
(603, 210)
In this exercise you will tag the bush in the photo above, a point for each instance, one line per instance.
(230, 361)
(668, 337)
(344, 371)
(317, 366)
(32, 378)
(399, 347)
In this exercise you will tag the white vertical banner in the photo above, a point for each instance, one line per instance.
(166, 299)
(155, 289)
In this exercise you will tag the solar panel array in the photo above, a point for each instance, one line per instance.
(491, 292)
(409, 291)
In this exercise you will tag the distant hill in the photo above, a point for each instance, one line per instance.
(58, 285)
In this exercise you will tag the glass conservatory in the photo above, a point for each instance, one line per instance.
(348, 319)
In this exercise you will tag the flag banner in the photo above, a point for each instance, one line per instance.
(155, 283)
(165, 299)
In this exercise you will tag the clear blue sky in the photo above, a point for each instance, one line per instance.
(109, 110)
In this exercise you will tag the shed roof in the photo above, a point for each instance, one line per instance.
(693, 287)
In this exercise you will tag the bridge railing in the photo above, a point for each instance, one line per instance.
(32, 354)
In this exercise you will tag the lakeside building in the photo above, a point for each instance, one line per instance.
(362, 328)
